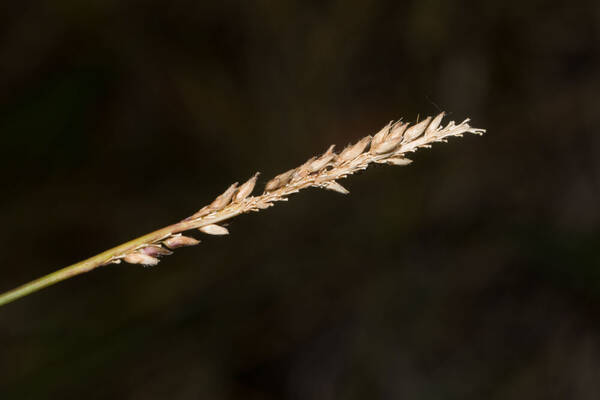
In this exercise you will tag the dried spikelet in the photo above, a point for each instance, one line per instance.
(155, 250)
(225, 198)
(303, 170)
(246, 189)
(336, 187)
(177, 241)
(381, 136)
(322, 161)
(140, 258)
(353, 151)
(388, 146)
(263, 205)
(286, 176)
(397, 130)
(279, 181)
(400, 161)
(434, 125)
(416, 130)
(214, 229)
(272, 185)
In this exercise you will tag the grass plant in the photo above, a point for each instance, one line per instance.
(388, 146)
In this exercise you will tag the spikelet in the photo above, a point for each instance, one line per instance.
(303, 170)
(353, 151)
(399, 161)
(214, 229)
(336, 187)
(179, 240)
(155, 250)
(140, 258)
(246, 189)
(279, 180)
(416, 130)
(225, 198)
(398, 130)
(380, 136)
(388, 146)
(323, 161)
(434, 125)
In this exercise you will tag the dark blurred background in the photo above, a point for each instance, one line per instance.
(473, 273)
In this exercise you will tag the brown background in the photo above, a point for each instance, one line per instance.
(474, 273)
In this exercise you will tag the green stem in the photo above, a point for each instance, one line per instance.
(103, 258)
(81, 267)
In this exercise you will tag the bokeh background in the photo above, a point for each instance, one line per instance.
(473, 273)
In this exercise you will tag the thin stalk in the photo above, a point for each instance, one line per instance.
(107, 257)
